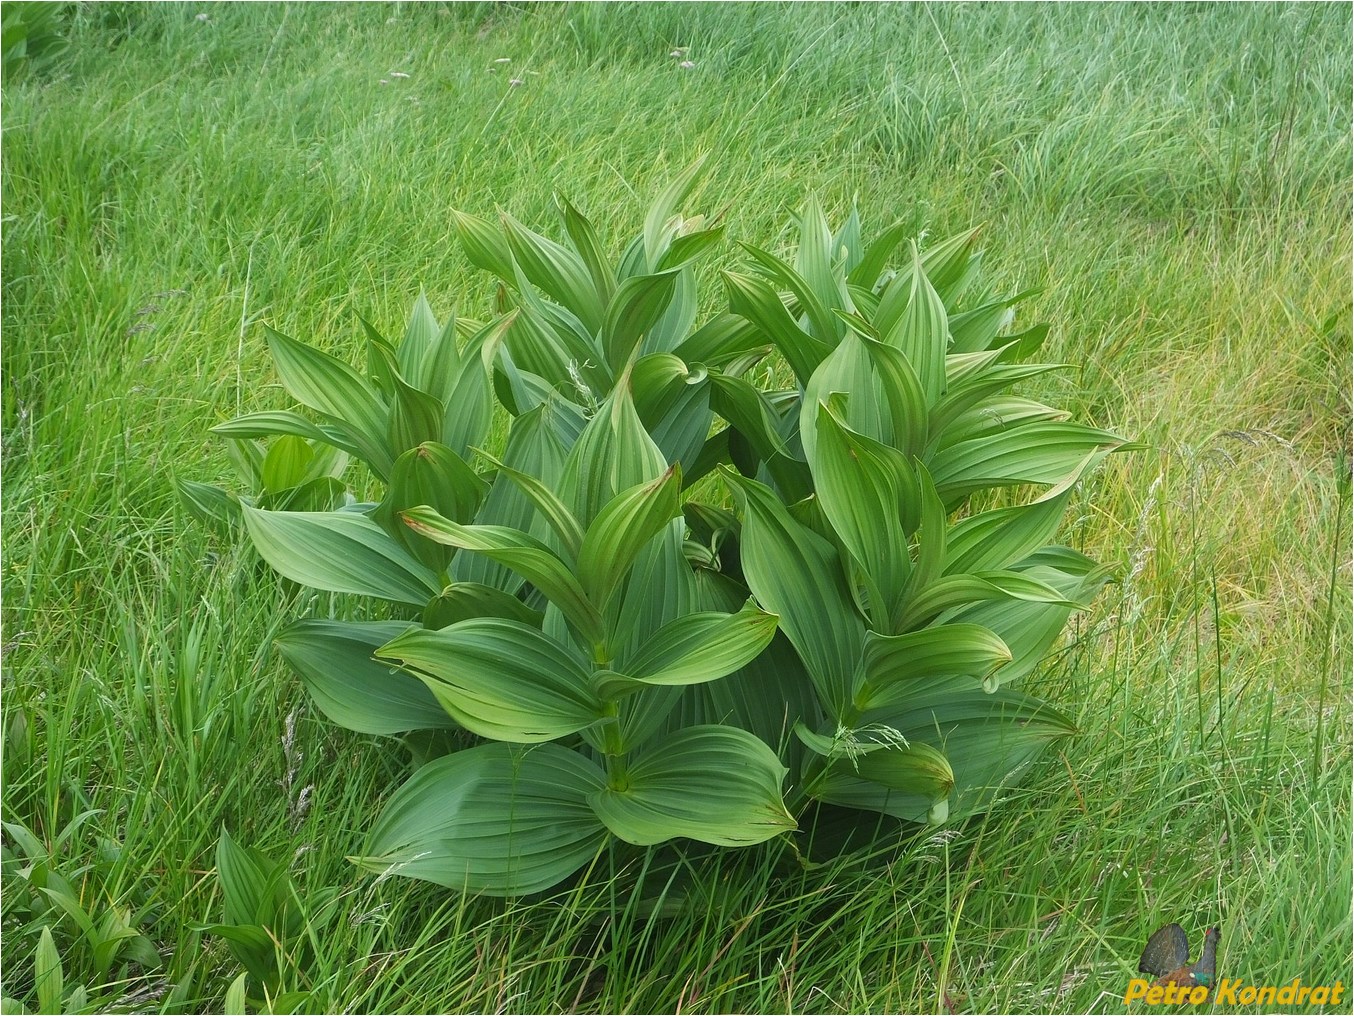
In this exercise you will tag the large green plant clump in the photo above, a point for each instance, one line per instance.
(636, 660)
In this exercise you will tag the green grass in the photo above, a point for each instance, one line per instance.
(1176, 178)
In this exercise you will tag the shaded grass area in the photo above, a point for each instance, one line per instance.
(1176, 179)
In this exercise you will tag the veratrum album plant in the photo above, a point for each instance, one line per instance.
(639, 657)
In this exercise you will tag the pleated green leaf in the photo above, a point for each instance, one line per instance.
(814, 263)
(334, 661)
(921, 332)
(556, 271)
(823, 325)
(715, 784)
(342, 552)
(963, 395)
(624, 525)
(552, 509)
(758, 302)
(797, 574)
(589, 248)
(484, 245)
(1030, 628)
(495, 819)
(1035, 452)
(524, 554)
(415, 417)
(209, 504)
(420, 334)
(903, 395)
(876, 257)
(847, 372)
(999, 538)
(894, 664)
(703, 646)
(463, 601)
(658, 227)
(910, 780)
(501, 679)
(328, 385)
(613, 453)
(979, 328)
(960, 590)
(750, 412)
(433, 475)
(724, 338)
(989, 740)
(870, 494)
(273, 422)
(638, 304)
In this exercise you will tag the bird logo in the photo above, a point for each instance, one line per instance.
(1167, 956)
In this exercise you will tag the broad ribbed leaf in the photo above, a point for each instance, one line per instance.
(1038, 452)
(502, 679)
(334, 661)
(630, 520)
(902, 394)
(420, 334)
(909, 780)
(657, 227)
(209, 504)
(747, 408)
(415, 417)
(978, 329)
(893, 664)
(676, 413)
(988, 739)
(822, 323)
(343, 552)
(639, 302)
(268, 424)
(556, 271)
(995, 415)
(797, 574)
(537, 444)
(382, 363)
(723, 338)
(921, 331)
(524, 554)
(715, 784)
(703, 646)
(495, 819)
(441, 363)
(589, 249)
(552, 509)
(328, 385)
(967, 393)
(614, 453)
(848, 237)
(813, 263)
(469, 403)
(757, 301)
(433, 475)
(285, 463)
(870, 494)
(876, 257)
(463, 601)
(690, 246)
(1030, 628)
(999, 538)
(849, 370)
(961, 590)
(484, 245)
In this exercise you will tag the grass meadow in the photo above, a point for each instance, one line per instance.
(1176, 179)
